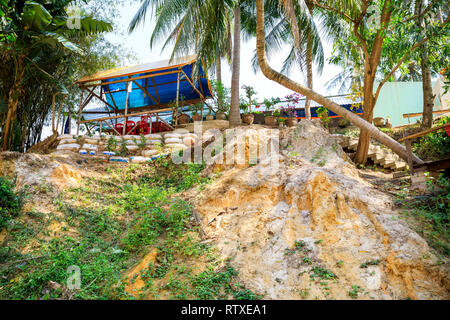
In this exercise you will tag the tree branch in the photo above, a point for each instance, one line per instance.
(343, 14)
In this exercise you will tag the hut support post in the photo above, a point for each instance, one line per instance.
(79, 113)
(178, 97)
(53, 112)
(126, 109)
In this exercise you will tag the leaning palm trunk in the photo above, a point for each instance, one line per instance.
(235, 114)
(290, 84)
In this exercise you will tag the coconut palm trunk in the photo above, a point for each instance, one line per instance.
(309, 65)
(290, 84)
(309, 76)
(235, 115)
(218, 69)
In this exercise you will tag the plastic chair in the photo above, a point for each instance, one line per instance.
(129, 126)
(119, 127)
(143, 127)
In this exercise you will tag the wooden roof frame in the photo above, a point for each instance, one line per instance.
(91, 85)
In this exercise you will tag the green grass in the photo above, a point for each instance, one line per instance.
(432, 211)
(106, 226)
(10, 201)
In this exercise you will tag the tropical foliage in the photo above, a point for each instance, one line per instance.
(42, 48)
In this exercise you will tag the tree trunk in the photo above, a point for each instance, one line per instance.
(218, 69)
(309, 64)
(13, 103)
(428, 97)
(427, 116)
(235, 114)
(309, 75)
(364, 135)
(329, 104)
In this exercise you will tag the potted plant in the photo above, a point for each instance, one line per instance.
(294, 100)
(322, 113)
(270, 119)
(289, 111)
(281, 123)
(221, 99)
(209, 116)
(182, 118)
(196, 108)
(246, 106)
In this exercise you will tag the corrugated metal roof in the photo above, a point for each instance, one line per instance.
(136, 69)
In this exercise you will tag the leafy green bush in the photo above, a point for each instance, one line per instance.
(435, 145)
(179, 177)
(10, 202)
(433, 211)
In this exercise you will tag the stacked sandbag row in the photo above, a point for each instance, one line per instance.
(91, 144)
(153, 146)
(180, 139)
(67, 143)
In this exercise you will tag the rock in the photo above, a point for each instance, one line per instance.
(323, 214)
(66, 176)
(134, 287)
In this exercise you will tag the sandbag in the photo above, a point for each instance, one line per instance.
(89, 147)
(176, 146)
(91, 141)
(139, 159)
(154, 142)
(83, 152)
(68, 141)
(172, 135)
(118, 159)
(130, 142)
(72, 146)
(149, 153)
(153, 136)
(132, 148)
(173, 140)
(130, 137)
(65, 136)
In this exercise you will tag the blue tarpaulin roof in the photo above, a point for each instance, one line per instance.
(149, 91)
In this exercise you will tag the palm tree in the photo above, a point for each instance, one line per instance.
(310, 21)
(28, 28)
(205, 27)
(235, 113)
(290, 84)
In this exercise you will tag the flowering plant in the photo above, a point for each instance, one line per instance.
(290, 111)
(294, 100)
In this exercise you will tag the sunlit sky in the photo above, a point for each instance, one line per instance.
(139, 41)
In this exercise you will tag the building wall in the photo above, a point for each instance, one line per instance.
(398, 98)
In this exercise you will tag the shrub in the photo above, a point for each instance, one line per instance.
(10, 202)
(435, 145)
